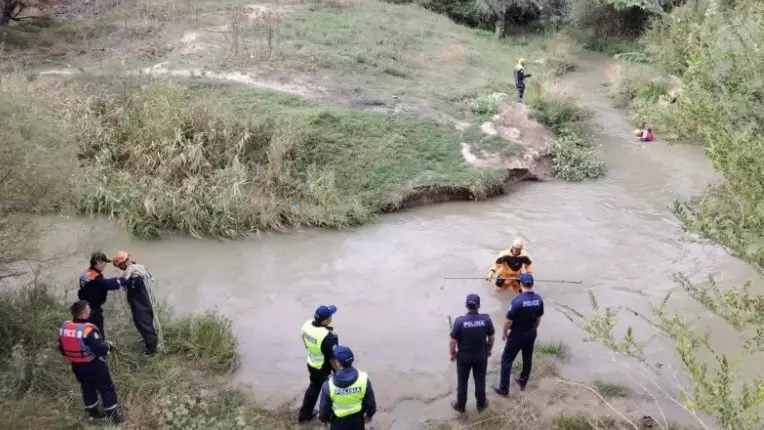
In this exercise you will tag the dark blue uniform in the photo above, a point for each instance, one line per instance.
(94, 289)
(94, 377)
(471, 332)
(524, 311)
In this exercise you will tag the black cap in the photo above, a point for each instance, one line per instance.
(99, 257)
(473, 301)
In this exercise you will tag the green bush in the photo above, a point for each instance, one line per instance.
(205, 338)
(211, 160)
(553, 107)
(180, 387)
(574, 158)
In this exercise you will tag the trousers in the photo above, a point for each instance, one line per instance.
(317, 378)
(94, 379)
(516, 343)
(477, 364)
(520, 93)
(351, 422)
(144, 322)
(96, 318)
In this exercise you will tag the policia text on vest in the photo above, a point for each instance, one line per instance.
(347, 398)
(319, 342)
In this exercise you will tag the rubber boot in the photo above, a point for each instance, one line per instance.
(95, 413)
(113, 417)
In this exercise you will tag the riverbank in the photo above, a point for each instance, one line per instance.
(211, 147)
(188, 385)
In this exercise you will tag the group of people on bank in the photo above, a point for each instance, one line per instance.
(345, 394)
(82, 340)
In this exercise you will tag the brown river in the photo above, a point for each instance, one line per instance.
(616, 234)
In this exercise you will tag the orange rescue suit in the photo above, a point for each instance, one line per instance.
(73, 341)
(509, 265)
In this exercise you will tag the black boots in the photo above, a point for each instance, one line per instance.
(114, 417)
(95, 413)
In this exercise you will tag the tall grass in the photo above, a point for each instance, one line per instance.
(179, 389)
(574, 157)
(227, 161)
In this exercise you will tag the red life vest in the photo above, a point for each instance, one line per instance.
(72, 337)
(648, 136)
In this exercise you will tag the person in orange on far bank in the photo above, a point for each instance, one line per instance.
(508, 267)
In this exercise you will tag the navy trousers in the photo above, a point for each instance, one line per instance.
(517, 343)
(94, 379)
(477, 364)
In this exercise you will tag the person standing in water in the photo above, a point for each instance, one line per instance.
(509, 265)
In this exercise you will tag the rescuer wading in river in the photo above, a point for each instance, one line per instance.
(470, 346)
(509, 265)
(347, 398)
(81, 344)
(94, 288)
(523, 318)
(140, 298)
(319, 340)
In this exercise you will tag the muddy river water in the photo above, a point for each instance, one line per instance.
(616, 234)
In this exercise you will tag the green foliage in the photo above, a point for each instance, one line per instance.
(610, 389)
(224, 161)
(554, 108)
(487, 104)
(558, 350)
(38, 162)
(574, 158)
(180, 387)
(206, 338)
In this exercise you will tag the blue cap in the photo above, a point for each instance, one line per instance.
(344, 355)
(473, 301)
(324, 312)
(526, 279)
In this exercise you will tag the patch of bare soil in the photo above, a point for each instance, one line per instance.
(513, 123)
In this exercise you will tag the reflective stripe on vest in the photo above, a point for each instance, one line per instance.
(312, 337)
(72, 337)
(349, 400)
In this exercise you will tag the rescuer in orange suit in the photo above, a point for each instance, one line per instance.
(508, 267)
(82, 344)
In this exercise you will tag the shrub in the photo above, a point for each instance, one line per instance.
(487, 104)
(205, 338)
(574, 158)
(38, 164)
(553, 107)
(211, 161)
(561, 54)
(178, 388)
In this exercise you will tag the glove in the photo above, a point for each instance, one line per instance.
(489, 276)
(528, 75)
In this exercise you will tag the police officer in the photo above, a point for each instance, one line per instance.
(81, 344)
(472, 334)
(94, 288)
(520, 76)
(347, 398)
(319, 340)
(523, 318)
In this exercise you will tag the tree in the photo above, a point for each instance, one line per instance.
(510, 11)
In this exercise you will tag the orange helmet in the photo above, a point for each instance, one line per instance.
(637, 132)
(120, 258)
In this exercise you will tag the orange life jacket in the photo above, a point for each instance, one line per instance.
(72, 337)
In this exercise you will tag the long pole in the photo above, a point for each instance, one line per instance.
(558, 281)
